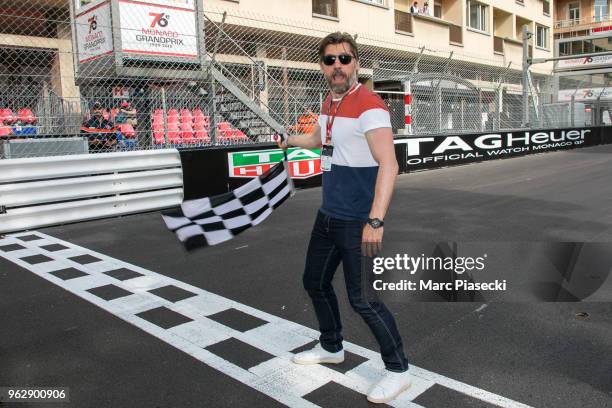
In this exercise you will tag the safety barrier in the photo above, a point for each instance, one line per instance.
(37, 192)
(234, 165)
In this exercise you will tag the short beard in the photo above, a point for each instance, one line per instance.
(341, 88)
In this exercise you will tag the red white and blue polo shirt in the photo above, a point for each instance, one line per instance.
(348, 189)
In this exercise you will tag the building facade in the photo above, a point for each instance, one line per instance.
(462, 58)
(583, 28)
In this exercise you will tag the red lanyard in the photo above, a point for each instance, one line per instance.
(331, 118)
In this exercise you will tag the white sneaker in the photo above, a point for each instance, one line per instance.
(318, 355)
(389, 387)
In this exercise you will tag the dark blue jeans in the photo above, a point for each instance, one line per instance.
(332, 241)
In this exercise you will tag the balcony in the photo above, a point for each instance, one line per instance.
(582, 26)
(584, 22)
(502, 29)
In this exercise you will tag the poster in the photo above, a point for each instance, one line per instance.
(94, 32)
(158, 30)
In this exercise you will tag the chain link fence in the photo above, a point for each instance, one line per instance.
(112, 76)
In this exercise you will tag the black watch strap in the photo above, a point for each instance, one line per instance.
(375, 222)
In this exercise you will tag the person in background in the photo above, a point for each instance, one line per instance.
(129, 112)
(428, 11)
(414, 9)
(99, 129)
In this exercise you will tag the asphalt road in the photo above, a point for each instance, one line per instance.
(539, 354)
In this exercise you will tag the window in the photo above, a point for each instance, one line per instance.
(541, 36)
(325, 8)
(574, 12)
(476, 15)
(403, 21)
(437, 9)
(601, 10)
(378, 2)
(546, 7)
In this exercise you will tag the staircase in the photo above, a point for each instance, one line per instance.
(238, 108)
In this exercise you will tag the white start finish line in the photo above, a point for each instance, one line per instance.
(132, 293)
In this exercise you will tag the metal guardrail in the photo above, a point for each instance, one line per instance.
(37, 192)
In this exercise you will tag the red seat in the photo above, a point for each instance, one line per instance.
(224, 132)
(224, 126)
(158, 112)
(158, 136)
(187, 133)
(26, 116)
(173, 116)
(5, 130)
(174, 134)
(201, 133)
(206, 122)
(127, 130)
(157, 118)
(238, 134)
(186, 116)
(198, 116)
(7, 116)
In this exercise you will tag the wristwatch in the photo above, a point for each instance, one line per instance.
(375, 222)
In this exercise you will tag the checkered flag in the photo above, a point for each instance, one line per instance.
(212, 220)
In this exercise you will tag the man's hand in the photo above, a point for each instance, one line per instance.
(303, 140)
(281, 141)
(371, 241)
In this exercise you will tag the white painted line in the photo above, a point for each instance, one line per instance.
(481, 308)
(278, 377)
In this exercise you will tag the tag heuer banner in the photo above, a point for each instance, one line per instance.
(303, 163)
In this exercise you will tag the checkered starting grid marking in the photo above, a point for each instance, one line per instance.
(244, 343)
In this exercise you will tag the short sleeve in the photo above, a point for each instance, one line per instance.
(321, 120)
(374, 119)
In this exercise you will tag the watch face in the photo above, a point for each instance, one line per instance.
(375, 223)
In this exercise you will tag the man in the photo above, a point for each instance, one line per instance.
(102, 136)
(129, 113)
(358, 159)
(414, 9)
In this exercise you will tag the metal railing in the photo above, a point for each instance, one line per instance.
(578, 22)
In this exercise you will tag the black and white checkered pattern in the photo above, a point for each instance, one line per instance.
(212, 220)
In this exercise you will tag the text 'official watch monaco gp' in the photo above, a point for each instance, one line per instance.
(375, 222)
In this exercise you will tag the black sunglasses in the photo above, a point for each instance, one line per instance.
(345, 59)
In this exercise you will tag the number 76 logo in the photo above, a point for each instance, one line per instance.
(159, 19)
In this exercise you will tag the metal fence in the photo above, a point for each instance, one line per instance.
(254, 75)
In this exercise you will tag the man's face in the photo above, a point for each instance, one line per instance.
(340, 77)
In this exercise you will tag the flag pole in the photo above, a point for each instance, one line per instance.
(284, 137)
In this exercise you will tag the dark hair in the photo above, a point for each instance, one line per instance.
(338, 38)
